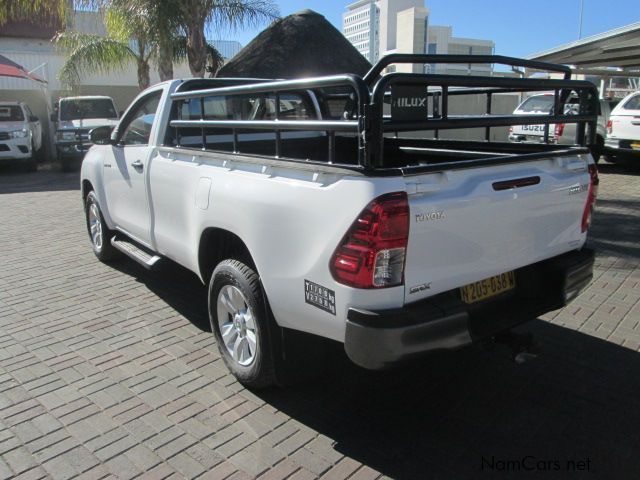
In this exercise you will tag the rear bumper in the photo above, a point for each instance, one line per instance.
(378, 339)
(621, 147)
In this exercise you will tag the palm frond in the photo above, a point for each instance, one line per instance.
(89, 54)
(235, 14)
(214, 57)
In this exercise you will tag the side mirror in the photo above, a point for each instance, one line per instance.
(34, 118)
(53, 117)
(101, 135)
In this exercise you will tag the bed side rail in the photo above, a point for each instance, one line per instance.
(276, 88)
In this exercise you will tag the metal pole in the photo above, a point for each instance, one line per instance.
(580, 26)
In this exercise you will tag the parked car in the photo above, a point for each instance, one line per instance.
(74, 118)
(623, 130)
(20, 135)
(540, 104)
(565, 133)
(306, 220)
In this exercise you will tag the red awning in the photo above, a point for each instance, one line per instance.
(9, 68)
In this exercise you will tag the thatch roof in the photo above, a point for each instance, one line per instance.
(300, 45)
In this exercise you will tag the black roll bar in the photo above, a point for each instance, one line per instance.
(368, 122)
(587, 92)
(279, 86)
(387, 60)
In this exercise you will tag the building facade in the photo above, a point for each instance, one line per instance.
(379, 27)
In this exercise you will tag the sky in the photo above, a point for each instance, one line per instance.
(518, 27)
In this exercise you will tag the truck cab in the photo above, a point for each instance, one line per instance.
(74, 118)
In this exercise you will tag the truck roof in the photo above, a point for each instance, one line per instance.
(87, 97)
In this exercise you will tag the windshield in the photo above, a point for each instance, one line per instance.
(538, 103)
(11, 113)
(633, 103)
(89, 108)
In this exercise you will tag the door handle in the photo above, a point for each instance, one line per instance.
(138, 165)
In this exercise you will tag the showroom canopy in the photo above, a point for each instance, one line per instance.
(616, 49)
(9, 68)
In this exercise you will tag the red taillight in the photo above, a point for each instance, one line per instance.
(591, 197)
(371, 254)
(609, 126)
(558, 130)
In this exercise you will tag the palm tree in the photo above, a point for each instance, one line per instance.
(127, 40)
(132, 36)
(195, 15)
(165, 29)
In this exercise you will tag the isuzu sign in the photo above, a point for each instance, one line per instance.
(409, 102)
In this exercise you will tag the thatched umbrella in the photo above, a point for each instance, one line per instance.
(300, 45)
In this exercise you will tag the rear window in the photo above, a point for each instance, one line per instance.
(11, 113)
(633, 103)
(539, 103)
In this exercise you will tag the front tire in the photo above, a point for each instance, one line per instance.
(99, 233)
(241, 323)
(31, 163)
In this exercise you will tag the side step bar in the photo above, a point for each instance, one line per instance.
(144, 257)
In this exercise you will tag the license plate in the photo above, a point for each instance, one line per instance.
(635, 146)
(487, 288)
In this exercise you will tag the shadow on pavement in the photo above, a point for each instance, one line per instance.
(616, 228)
(468, 414)
(476, 413)
(618, 168)
(46, 179)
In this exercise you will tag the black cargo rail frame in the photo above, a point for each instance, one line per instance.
(370, 125)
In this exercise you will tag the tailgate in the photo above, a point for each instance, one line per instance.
(468, 225)
(626, 126)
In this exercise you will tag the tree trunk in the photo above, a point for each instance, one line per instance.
(196, 45)
(165, 60)
(143, 74)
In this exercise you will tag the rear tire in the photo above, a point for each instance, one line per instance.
(242, 324)
(99, 233)
(597, 149)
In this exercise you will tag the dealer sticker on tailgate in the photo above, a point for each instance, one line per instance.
(487, 288)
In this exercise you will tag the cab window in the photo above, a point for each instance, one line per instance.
(137, 127)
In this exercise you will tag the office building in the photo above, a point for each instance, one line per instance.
(379, 27)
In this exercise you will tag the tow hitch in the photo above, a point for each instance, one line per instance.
(522, 345)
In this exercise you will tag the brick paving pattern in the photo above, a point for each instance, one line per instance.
(110, 372)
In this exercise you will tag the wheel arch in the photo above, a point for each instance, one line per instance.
(217, 244)
(85, 188)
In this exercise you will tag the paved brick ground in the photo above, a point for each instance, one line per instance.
(110, 372)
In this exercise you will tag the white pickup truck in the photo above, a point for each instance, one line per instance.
(304, 208)
(20, 135)
(74, 117)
